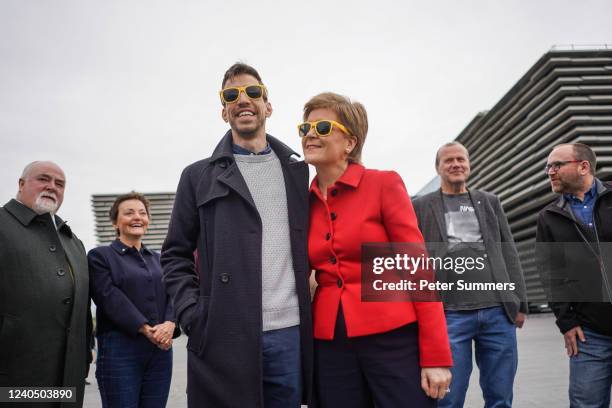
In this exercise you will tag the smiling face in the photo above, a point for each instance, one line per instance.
(132, 219)
(246, 116)
(331, 150)
(453, 166)
(41, 188)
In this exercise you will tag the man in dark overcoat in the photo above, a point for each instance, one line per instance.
(246, 304)
(45, 321)
(574, 235)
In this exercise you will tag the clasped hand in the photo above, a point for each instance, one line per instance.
(160, 334)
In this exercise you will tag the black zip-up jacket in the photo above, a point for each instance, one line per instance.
(581, 261)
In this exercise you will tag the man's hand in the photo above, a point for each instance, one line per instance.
(519, 320)
(435, 381)
(571, 346)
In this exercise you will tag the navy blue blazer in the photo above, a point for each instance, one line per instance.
(127, 287)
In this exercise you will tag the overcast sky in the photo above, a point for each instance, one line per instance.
(124, 94)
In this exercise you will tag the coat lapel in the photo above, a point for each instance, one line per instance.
(437, 208)
(479, 203)
(232, 178)
(295, 173)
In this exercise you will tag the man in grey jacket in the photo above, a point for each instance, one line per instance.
(45, 322)
(460, 224)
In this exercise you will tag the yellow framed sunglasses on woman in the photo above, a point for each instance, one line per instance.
(322, 127)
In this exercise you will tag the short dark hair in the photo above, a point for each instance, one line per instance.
(240, 68)
(132, 195)
(584, 152)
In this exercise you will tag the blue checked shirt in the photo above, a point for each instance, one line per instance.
(583, 210)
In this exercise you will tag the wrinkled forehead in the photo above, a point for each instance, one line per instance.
(46, 169)
(452, 152)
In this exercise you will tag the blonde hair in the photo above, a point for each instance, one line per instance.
(353, 115)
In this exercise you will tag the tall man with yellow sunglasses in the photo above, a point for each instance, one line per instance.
(246, 304)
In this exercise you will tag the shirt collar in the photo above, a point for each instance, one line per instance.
(589, 195)
(123, 249)
(237, 149)
(351, 177)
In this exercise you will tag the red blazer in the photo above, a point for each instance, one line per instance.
(366, 206)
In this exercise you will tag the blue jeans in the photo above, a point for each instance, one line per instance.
(132, 372)
(494, 339)
(591, 372)
(282, 369)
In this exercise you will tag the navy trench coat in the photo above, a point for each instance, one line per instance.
(221, 310)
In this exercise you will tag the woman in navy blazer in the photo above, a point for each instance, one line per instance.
(134, 317)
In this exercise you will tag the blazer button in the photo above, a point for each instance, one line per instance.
(333, 216)
(224, 277)
(61, 272)
(339, 282)
(67, 301)
(334, 192)
(52, 248)
(333, 260)
(149, 298)
(328, 236)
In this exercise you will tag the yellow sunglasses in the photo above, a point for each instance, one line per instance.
(231, 94)
(322, 127)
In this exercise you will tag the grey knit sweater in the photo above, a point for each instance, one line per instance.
(264, 177)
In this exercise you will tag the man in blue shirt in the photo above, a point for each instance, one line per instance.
(578, 268)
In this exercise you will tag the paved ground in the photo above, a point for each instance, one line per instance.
(541, 381)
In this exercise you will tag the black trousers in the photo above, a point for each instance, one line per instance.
(380, 370)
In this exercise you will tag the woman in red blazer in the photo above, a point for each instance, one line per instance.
(387, 354)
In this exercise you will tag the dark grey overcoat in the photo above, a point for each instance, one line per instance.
(221, 311)
(45, 321)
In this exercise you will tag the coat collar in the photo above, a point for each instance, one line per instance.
(224, 149)
(351, 177)
(562, 204)
(123, 249)
(25, 215)
(229, 176)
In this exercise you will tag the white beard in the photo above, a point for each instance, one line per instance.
(44, 205)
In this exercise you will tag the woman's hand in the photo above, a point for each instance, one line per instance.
(435, 381)
(147, 331)
(162, 334)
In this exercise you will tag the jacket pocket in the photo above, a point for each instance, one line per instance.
(8, 326)
(198, 325)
